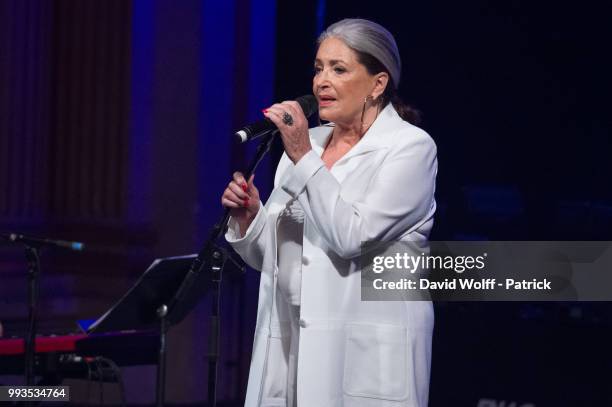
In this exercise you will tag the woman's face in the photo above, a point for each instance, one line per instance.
(340, 83)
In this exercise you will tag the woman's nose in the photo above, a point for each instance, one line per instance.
(321, 80)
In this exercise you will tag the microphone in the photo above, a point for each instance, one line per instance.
(308, 103)
(37, 242)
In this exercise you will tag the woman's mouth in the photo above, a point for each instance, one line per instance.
(325, 101)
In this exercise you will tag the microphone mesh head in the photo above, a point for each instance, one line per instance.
(309, 104)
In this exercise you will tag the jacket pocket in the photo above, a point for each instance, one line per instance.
(376, 362)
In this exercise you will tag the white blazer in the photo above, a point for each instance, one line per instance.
(352, 353)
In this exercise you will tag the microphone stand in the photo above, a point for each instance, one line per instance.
(33, 258)
(32, 252)
(211, 259)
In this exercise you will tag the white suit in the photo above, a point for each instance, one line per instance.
(352, 353)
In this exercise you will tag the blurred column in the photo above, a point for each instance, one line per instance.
(200, 69)
(237, 60)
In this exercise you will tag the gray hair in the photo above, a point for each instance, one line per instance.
(370, 38)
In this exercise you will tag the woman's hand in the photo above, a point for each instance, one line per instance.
(295, 132)
(243, 200)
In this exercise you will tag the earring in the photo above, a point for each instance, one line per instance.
(365, 102)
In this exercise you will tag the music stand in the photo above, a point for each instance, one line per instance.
(145, 306)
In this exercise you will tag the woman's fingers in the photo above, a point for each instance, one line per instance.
(239, 190)
(247, 186)
(233, 193)
(275, 114)
(252, 189)
(295, 132)
(294, 109)
(277, 111)
(239, 179)
(242, 197)
(230, 204)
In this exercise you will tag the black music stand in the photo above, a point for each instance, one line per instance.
(145, 306)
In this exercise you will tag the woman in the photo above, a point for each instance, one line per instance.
(368, 176)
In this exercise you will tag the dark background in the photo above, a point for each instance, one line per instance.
(115, 119)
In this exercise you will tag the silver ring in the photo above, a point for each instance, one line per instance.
(287, 119)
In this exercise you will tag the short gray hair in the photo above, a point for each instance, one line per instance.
(370, 38)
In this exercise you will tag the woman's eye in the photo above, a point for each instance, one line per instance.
(339, 70)
(317, 70)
